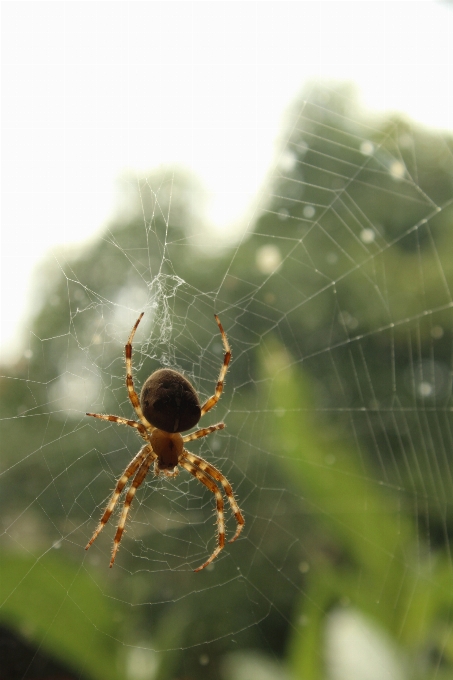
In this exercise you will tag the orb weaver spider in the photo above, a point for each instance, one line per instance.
(169, 405)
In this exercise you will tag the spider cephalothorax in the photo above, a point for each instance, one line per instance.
(169, 405)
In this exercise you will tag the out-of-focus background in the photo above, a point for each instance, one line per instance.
(288, 166)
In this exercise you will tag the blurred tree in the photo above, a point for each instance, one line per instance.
(353, 270)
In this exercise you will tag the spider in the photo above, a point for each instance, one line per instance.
(169, 405)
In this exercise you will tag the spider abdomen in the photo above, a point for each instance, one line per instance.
(169, 401)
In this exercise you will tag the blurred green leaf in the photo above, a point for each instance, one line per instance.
(58, 607)
(367, 534)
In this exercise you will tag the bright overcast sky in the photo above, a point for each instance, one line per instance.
(93, 88)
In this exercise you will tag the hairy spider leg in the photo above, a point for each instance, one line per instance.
(217, 475)
(122, 421)
(202, 433)
(212, 486)
(121, 483)
(138, 479)
(135, 401)
(212, 401)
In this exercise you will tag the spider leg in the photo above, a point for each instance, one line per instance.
(122, 421)
(138, 479)
(135, 401)
(212, 486)
(203, 432)
(217, 475)
(212, 401)
(121, 483)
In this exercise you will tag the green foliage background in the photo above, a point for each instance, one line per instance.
(338, 408)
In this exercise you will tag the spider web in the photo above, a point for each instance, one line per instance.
(336, 298)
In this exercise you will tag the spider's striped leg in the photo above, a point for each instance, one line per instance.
(121, 483)
(212, 486)
(217, 475)
(135, 401)
(138, 479)
(203, 432)
(122, 421)
(212, 401)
